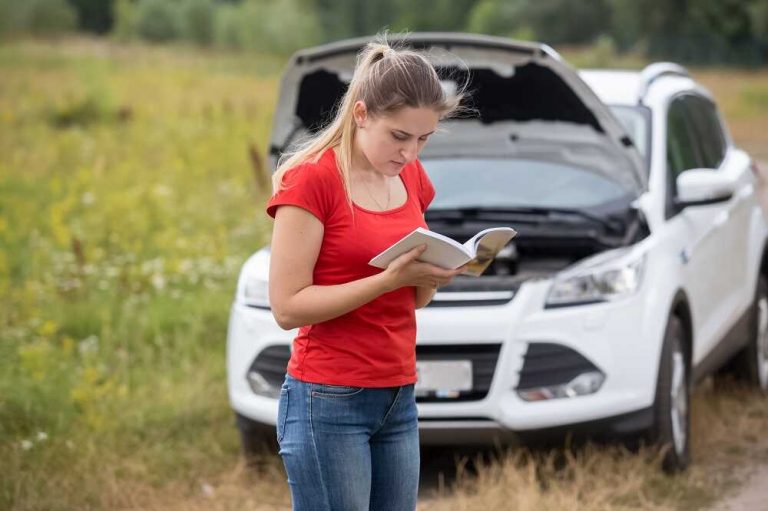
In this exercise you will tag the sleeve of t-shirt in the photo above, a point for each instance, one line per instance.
(303, 186)
(426, 190)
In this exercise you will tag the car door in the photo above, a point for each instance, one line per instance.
(706, 273)
(735, 214)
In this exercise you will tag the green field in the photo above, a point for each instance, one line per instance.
(130, 194)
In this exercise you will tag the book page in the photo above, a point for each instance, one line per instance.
(485, 245)
(441, 250)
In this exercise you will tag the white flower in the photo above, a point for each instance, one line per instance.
(87, 199)
(88, 345)
(26, 444)
(207, 489)
(42, 436)
(158, 281)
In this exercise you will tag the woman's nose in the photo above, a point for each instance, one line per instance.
(410, 150)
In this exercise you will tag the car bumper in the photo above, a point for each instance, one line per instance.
(622, 339)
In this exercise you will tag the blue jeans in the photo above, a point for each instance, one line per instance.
(349, 448)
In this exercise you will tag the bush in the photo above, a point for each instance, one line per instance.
(251, 25)
(226, 27)
(156, 20)
(124, 28)
(196, 18)
(38, 17)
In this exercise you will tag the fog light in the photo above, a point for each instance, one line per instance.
(583, 384)
(259, 385)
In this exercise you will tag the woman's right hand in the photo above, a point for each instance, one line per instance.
(405, 270)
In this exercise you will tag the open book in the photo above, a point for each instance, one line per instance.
(442, 251)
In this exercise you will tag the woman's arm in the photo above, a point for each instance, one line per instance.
(295, 301)
(424, 295)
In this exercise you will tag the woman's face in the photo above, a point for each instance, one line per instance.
(391, 141)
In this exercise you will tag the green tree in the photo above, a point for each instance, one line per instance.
(94, 15)
(196, 19)
(156, 20)
(550, 21)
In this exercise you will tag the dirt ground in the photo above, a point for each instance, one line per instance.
(753, 495)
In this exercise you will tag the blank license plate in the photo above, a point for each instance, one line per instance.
(443, 376)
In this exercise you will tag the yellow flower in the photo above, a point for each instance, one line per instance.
(48, 328)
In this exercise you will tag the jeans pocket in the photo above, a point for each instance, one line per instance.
(282, 413)
(337, 391)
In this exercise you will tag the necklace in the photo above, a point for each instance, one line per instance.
(382, 208)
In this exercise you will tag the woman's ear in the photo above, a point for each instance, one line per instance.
(360, 113)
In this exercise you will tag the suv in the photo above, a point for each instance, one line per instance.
(639, 267)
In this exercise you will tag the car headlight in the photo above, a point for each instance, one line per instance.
(256, 292)
(607, 277)
(253, 285)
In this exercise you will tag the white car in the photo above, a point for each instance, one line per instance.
(639, 266)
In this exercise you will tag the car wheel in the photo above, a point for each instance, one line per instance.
(671, 424)
(750, 365)
(759, 367)
(256, 439)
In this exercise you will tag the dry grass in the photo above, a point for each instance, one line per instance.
(727, 438)
(726, 435)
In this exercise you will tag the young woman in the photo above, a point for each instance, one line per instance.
(347, 422)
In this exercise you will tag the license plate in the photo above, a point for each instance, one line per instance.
(445, 378)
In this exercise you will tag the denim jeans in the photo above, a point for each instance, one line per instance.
(349, 448)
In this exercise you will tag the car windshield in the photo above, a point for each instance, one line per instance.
(516, 183)
(635, 122)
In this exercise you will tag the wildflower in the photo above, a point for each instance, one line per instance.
(158, 281)
(88, 345)
(88, 198)
(207, 489)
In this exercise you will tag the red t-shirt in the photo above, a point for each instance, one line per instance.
(373, 345)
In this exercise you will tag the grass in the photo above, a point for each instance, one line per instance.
(128, 201)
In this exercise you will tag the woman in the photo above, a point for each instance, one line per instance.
(347, 421)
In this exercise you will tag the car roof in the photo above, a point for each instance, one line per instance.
(627, 87)
(613, 86)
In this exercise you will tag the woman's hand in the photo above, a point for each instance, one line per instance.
(407, 271)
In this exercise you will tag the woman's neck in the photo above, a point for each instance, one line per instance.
(362, 168)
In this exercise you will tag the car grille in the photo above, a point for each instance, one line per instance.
(272, 362)
(548, 364)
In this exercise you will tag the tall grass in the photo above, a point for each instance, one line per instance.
(128, 202)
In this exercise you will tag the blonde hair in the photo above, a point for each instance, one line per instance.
(386, 79)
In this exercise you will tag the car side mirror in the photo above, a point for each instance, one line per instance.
(699, 187)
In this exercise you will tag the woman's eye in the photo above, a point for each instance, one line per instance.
(399, 137)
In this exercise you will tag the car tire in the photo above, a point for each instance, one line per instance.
(256, 439)
(670, 430)
(750, 365)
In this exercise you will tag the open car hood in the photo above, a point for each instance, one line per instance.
(530, 104)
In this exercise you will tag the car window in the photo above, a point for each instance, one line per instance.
(488, 182)
(634, 120)
(708, 130)
(681, 143)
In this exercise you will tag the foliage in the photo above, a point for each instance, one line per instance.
(251, 25)
(94, 15)
(36, 17)
(196, 21)
(156, 20)
(127, 205)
